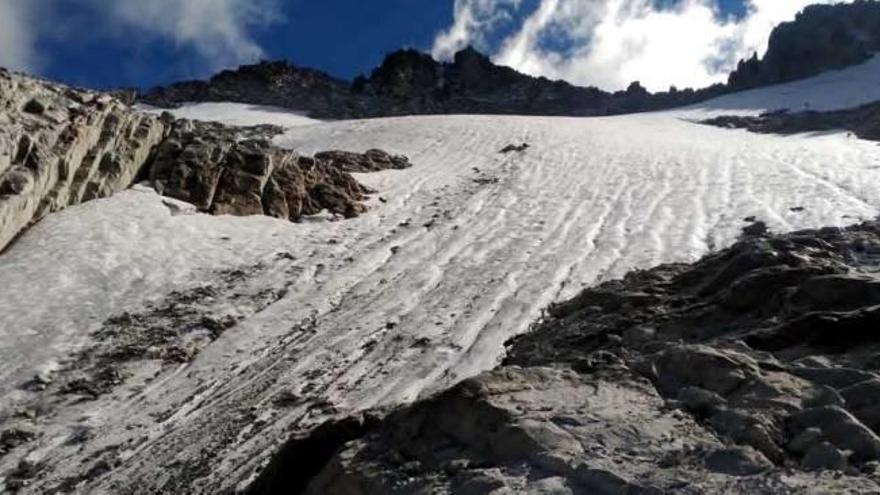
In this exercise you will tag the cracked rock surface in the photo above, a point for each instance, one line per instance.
(225, 171)
(61, 146)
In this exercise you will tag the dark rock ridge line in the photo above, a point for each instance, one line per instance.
(61, 146)
(412, 83)
(409, 82)
(754, 370)
(862, 121)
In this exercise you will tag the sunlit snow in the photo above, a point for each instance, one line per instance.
(463, 252)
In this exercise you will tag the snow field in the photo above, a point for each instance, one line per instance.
(463, 252)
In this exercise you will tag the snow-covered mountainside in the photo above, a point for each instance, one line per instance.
(277, 327)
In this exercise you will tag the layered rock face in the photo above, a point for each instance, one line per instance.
(61, 146)
(220, 171)
(754, 370)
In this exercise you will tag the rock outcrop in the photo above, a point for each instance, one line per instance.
(862, 121)
(822, 37)
(409, 82)
(753, 370)
(214, 168)
(266, 83)
(60, 146)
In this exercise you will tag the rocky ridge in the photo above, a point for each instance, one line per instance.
(821, 38)
(753, 370)
(267, 83)
(412, 83)
(61, 146)
(210, 166)
(409, 82)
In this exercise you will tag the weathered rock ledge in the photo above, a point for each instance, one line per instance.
(754, 370)
(61, 146)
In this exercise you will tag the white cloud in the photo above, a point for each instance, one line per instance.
(16, 36)
(217, 31)
(610, 43)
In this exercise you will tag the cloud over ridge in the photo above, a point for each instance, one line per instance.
(610, 43)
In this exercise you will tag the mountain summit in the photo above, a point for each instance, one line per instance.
(410, 82)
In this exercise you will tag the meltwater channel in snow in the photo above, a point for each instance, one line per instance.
(462, 252)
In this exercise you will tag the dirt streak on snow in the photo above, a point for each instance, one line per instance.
(418, 293)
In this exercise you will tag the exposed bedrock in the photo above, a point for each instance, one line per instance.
(222, 170)
(61, 146)
(754, 370)
(862, 121)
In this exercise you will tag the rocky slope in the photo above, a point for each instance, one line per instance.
(753, 370)
(822, 37)
(61, 146)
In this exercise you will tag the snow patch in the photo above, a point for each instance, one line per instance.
(236, 114)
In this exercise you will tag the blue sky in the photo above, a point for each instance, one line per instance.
(343, 37)
(147, 42)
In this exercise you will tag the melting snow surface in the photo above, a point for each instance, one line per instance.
(461, 253)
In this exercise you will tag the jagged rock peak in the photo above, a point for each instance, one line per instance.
(820, 38)
(278, 83)
(411, 82)
(60, 146)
